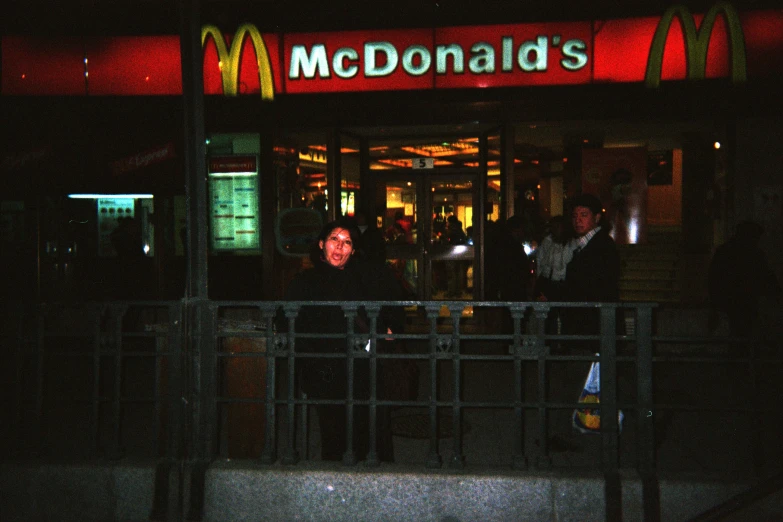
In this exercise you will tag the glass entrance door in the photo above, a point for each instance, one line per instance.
(450, 251)
(427, 220)
(430, 194)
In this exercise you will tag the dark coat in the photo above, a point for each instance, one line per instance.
(358, 281)
(593, 275)
(327, 378)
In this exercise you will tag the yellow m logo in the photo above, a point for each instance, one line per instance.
(228, 60)
(697, 42)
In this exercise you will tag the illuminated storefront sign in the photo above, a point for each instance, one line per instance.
(723, 43)
(697, 42)
(233, 189)
(229, 59)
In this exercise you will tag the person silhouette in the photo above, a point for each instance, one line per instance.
(738, 277)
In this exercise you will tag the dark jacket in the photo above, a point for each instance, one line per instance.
(593, 275)
(327, 377)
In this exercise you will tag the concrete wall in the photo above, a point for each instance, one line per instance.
(244, 490)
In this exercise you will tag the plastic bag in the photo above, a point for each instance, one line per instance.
(588, 420)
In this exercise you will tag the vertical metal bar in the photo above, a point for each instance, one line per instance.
(117, 313)
(608, 362)
(507, 175)
(291, 456)
(20, 354)
(176, 392)
(270, 425)
(194, 153)
(194, 147)
(96, 379)
(158, 402)
(646, 414)
(333, 174)
(519, 461)
(349, 457)
(209, 372)
(544, 461)
(168, 370)
(457, 459)
(433, 458)
(644, 391)
(479, 208)
(609, 426)
(39, 384)
(372, 456)
(192, 381)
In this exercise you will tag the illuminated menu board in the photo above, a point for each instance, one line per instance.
(233, 189)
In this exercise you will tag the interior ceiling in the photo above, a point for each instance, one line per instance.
(542, 140)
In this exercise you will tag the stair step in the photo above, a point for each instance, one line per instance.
(659, 285)
(654, 251)
(649, 265)
(646, 295)
(649, 275)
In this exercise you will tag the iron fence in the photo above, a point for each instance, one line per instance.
(496, 383)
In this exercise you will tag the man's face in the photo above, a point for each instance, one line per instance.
(584, 220)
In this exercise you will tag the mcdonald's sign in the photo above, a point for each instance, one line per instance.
(721, 43)
(697, 41)
(229, 58)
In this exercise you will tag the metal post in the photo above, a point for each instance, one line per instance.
(609, 425)
(433, 457)
(646, 414)
(519, 460)
(457, 459)
(199, 345)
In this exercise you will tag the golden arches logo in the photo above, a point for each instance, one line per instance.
(697, 42)
(228, 59)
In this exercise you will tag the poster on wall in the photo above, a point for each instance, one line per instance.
(111, 212)
(618, 176)
(233, 189)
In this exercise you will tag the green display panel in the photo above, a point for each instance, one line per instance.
(233, 188)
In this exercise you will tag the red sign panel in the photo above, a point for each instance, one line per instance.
(720, 43)
(228, 164)
(43, 66)
(125, 65)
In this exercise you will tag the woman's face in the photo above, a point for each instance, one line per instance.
(337, 247)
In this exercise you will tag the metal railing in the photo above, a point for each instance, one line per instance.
(149, 379)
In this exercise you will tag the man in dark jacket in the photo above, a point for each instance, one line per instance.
(593, 274)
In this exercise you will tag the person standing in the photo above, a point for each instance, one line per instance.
(552, 257)
(337, 275)
(739, 277)
(593, 273)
